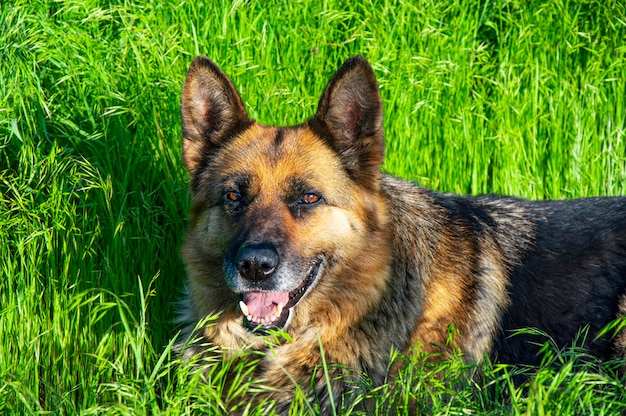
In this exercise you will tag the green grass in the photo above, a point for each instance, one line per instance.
(518, 97)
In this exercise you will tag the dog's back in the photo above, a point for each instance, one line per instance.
(492, 265)
(572, 276)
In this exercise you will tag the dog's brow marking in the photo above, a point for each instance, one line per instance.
(280, 137)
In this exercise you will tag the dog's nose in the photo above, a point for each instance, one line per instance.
(256, 262)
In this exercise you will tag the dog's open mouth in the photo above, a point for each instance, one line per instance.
(270, 310)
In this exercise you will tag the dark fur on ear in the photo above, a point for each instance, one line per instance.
(212, 111)
(350, 117)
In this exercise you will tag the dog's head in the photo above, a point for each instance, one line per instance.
(275, 210)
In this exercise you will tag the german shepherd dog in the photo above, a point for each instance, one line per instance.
(296, 228)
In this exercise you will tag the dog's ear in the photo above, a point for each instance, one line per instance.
(212, 111)
(349, 117)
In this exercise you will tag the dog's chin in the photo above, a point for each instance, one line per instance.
(277, 309)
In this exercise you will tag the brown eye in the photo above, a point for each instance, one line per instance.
(310, 198)
(233, 196)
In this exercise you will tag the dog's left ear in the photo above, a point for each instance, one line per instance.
(350, 117)
(212, 111)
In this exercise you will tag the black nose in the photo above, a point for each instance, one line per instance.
(256, 262)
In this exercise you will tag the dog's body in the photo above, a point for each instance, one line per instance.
(296, 228)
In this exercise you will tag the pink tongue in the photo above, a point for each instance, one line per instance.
(263, 304)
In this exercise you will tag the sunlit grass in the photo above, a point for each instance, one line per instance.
(523, 98)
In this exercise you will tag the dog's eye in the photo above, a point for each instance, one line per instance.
(306, 202)
(233, 196)
(310, 198)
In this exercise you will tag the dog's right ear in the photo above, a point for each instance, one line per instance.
(349, 116)
(212, 111)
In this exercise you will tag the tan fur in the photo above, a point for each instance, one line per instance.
(620, 338)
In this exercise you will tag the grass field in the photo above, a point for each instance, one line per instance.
(518, 97)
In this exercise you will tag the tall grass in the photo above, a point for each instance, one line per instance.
(524, 98)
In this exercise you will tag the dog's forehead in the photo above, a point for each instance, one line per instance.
(274, 155)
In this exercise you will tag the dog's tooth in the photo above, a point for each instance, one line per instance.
(244, 308)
